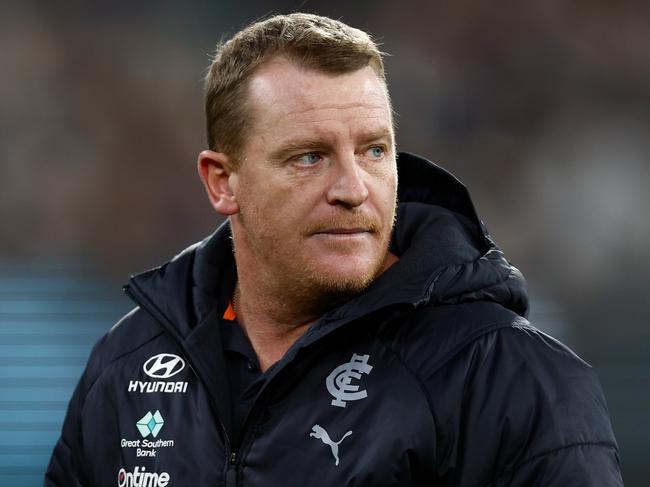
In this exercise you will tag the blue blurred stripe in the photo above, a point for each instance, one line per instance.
(29, 361)
(17, 461)
(33, 405)
(26, 450)
(36, 395)
(48, 339)
(29, 307)
(50, 317)
(45, 438)
(37, 383)
(29, 426)
(44, 350)
(7, 472)
(51, 326)
(26, 416)
(40, 372)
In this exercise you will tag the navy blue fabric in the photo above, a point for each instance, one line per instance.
(244, 374)
(458, 388)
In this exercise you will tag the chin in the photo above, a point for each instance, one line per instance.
(320, 285)
(347, 281)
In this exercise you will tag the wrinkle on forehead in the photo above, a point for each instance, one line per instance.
(280, 89)
(316, 118)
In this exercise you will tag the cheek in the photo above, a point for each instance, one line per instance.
(385, 189)
(268, 208)
(255, 192)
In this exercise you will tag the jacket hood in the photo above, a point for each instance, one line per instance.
(439, 226)
(445, 256)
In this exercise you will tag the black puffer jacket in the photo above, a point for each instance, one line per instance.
(431, 377)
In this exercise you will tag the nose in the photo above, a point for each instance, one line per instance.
(348, 187)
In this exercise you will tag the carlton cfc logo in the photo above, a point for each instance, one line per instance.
(339, 382)
(163, 366)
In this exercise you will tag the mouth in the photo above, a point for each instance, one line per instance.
(343, 231)
(343, 236)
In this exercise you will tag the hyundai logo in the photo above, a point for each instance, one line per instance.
(163, 366)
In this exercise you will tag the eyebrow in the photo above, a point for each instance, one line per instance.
(316, 144)
(294, 146)
(377, 135)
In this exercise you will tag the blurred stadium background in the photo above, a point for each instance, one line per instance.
(541, 107)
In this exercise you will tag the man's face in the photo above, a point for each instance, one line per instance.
(316, 184)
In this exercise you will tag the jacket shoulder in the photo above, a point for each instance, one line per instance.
(432, 335)
(510, 402)
(133, 330)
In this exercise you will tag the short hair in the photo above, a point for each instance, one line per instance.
(311, 41)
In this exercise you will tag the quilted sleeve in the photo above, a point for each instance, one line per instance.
(66, 464)
(521, 409)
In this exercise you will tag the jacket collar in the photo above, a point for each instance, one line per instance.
(444, 249)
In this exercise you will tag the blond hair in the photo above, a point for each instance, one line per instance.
(313, 42)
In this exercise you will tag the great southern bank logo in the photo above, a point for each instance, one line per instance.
(150, 424)
(161, 366)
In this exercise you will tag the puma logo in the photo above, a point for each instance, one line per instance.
(320, 433)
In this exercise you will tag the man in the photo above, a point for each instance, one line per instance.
(340, 328)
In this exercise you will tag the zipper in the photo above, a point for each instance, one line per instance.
(231, 473)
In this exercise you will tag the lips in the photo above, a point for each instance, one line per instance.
(343, 231)
(345, 226)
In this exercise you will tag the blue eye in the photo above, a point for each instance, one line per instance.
(376, 152)
(308, 159)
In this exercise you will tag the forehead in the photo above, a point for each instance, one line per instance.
(285, 97)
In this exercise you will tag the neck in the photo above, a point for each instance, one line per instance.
(271, 325)
(275, 318)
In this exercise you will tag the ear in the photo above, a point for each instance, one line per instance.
(215, 169)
